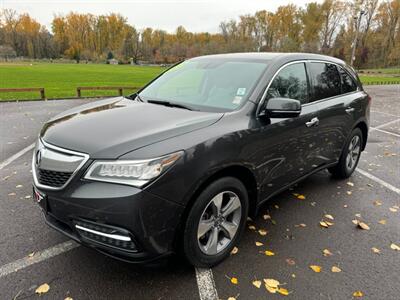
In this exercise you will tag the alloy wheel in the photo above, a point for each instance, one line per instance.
(219, 223)
(353, 153)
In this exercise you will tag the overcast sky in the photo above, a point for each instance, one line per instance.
(194, 15)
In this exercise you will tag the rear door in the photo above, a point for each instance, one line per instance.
(336, 108)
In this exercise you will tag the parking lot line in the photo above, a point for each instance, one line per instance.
(206, 284)
(16, 156)
(386, 124)
(384, 131)
(37, 258)
(378, 180)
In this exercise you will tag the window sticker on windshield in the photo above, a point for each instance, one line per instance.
(241, 91)
(237, 100)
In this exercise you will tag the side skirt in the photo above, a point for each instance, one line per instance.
(284, 188)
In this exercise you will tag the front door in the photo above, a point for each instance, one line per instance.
(287, 147)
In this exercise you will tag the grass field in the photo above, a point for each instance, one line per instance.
(61, 80)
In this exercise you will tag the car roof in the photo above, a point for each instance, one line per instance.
(272, 56)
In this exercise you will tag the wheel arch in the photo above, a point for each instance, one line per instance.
(362, 125)
(242, 173)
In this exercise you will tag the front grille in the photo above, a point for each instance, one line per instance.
(53, 167)
(53, 178)
(110, 236)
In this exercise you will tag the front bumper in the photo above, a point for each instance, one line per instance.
(124, 222)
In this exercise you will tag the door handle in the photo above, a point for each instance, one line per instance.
(313, 122)
(349, 109)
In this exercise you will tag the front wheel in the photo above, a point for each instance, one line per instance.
(350, 156)
(215, 222)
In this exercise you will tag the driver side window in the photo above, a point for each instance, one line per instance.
(291, 82)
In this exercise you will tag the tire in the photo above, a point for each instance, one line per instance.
(203, 251)
(343, 169)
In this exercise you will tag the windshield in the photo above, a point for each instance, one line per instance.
(206, 84)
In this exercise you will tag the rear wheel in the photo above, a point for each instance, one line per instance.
(350, 156)
(215, 222)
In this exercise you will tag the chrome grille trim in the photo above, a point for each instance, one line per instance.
(42, 143)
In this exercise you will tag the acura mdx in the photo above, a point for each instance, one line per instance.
(181, 164)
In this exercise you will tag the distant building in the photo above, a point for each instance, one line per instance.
(113, 61)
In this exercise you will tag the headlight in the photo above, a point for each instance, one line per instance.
(131, 172)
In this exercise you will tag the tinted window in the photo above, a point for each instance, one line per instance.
(290, 82)
(325, 80)
(348, 83)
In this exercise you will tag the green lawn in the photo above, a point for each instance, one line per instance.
(373, 79)
(61, 80)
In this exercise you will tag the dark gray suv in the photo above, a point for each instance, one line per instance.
(182, 163)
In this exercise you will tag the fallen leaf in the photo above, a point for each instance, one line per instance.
(257, 283)
(350, 183)
(266, 217)
(272, 290)
(252, 227)
(355, 222)
(358, 294)
(234, 280)
(68, 298)
(259, 244)
(329, 223)
(358, 215)
(323, 224)
(262, 232)
(377, 203)
(362, 225)
(376, 250)
(235, 250)
(383, 222)
(276, 206)
(301, 197)
(313, 203)
(393, 209)
(31, 254)
(231, 298)
(301, 225)
(293, 275)
(336, 269)
(326, 252)
(27, 196)
(349, 192)
(329, 217)
(43, 289)
(395, 247)
(12, 194)
(315, 268)
(19, 186)
(271, 282)
(269, 253)
(283, 291)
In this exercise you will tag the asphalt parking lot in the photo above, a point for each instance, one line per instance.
(32, 254)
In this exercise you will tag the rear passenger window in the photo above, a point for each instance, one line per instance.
(325, 80)
(290, 82)
(348, 83)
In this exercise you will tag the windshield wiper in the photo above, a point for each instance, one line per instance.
(169, 104)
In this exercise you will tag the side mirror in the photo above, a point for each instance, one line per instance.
(282, 108)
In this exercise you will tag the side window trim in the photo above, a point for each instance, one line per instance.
(264, 95)
(352, 78)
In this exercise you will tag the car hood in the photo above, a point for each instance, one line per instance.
(113, 127)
